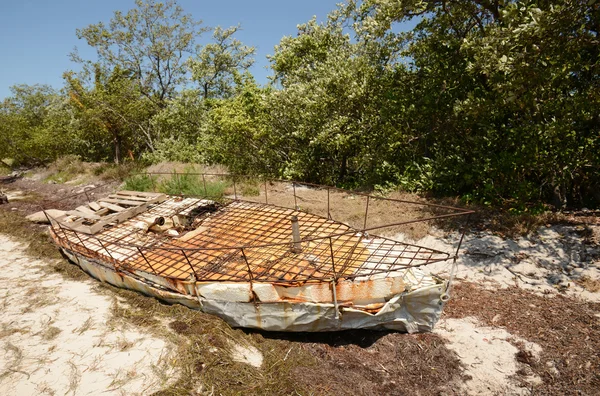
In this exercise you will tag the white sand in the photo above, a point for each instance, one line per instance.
(547, 262)
(54, 338)
(246, 354)
(487, 355)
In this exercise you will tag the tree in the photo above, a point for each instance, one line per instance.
(113, 107)
(35, 125)
(217, 63)
(151, 41)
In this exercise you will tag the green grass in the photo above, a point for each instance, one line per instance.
(140, 183)
(178, 184)
(250, 189)
(190, 184)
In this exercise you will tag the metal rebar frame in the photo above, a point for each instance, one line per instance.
(248, 241)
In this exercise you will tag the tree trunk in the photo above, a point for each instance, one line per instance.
(117, 143)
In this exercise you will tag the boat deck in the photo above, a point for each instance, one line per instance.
(245, 241)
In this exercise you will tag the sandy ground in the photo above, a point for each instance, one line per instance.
(555, 259)
(56, 337)
(552, 261)
(55, 341)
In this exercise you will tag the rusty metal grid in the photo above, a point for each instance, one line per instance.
(248, 241)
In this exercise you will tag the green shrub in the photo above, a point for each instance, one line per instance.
(121, 172)
(250, 188)
(140, 183)
(191, 184)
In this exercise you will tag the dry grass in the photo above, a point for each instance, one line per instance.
(567, 330)
(589, 284)
(7, 331)
(348, 207)
(51, 333)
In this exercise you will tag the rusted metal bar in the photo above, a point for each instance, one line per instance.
(266, 195)
(328, 213)
(64, 234)
(366, 213)
(295, 199)
(234, 189)
(189, 263)
(334, 281)
(204, 183)
(147, 262)
(115, 264)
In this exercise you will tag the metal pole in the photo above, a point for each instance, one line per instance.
(190, 264)
(334, 281)
(234, 189)
(328, 214)
(297, 246)
(295, 201)
(147, 262)
(366, 213)
(204, 182)
(266, 196)
(251, 278)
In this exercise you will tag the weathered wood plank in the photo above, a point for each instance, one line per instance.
(129, 197)
(140, 193)
(84, 209)
(87, 216)
(115, 208)
(95, 206)
(120, 201)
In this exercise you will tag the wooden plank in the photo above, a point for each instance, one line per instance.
(84, 215)
(102, 211)
(114, 208)
(84, 209)
(130, 197)
(95, 206)
(120, 201)
(140, 193)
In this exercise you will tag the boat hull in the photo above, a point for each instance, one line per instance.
(412, 311)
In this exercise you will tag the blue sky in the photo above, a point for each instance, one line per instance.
(37, 35)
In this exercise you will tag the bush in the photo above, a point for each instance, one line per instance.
(192, 184)
(120, 172)
(140, 183)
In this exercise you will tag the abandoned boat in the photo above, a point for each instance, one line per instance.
(255, 264)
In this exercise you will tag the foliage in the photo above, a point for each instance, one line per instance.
(218, 63)
(149, 41)
(141, 182)
(188, 183)
(237, 133)
(492, 101)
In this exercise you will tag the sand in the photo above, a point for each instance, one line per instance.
(549, 262)
(55, 337)
(552, 260)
